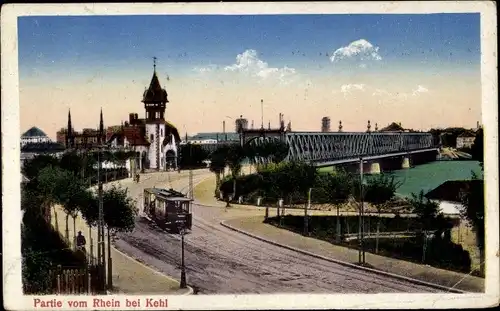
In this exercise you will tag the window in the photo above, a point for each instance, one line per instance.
(151, 137)
(161, 132)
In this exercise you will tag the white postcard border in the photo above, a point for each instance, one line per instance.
(13, 296)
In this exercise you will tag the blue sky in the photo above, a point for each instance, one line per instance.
(183, 41)
(421, 70)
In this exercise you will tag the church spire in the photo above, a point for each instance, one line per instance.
(101, 128)
(154, 64)
(69, 132)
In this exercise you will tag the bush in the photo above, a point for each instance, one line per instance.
(274, 181)
(441, 252)
(349, 224)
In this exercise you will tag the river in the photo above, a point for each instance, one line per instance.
(429, 176)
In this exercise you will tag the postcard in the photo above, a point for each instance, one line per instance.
(216, 156)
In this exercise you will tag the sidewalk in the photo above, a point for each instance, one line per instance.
(129, 276)
(254, 226)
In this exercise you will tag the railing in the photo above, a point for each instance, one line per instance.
(74, 280)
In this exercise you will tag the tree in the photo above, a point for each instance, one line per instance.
(32, 167)
(294, 179)
(119, 209)
(379, 191)
(278, 150)
(73, 162)
(72, 196)
(48, 186)
(192, 155)
(339, 187)
(234, 157)
(472, 197)
(477, 149)
(425, 209)
(218, 164)
(427, 212)
(120, 212)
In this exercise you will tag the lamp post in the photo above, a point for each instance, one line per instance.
(183, 267)
(361, 255)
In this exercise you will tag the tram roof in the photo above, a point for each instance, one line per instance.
(178, 199)
(168, 194)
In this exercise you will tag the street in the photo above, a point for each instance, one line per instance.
(221, 261)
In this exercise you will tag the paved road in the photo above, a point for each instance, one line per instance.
(221, 261)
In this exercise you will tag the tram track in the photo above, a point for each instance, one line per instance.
(219, 260)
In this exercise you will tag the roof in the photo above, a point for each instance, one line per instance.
(170, 128)
(168, 194)
(48, 147)
(135, 135)
(182, 199)
(215, 135)
(451, 190)
(467, 134)
(155, 93)
(393, 127)
(33, 132)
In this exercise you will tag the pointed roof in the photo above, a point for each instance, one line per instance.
(393, 127)
(155, 93)
(33, 132)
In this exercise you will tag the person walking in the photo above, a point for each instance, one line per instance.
(80, 241)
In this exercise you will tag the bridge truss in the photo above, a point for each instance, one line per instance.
(317, 147)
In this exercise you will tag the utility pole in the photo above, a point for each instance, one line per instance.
(191, 194)
(361, 254)
(101, 258)
(262, 114)
(307, 206)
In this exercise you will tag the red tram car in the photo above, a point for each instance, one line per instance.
(170, 209)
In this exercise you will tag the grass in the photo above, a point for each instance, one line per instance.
(204, 191)
(464, 236)
(255, 226)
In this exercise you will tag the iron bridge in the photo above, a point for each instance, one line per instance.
(322, 149)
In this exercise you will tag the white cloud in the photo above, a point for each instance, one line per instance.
(420, 89)
(361, 50)
(205, 69)
(380, 92)
(400, 95)
(249, 63)
(350, 88)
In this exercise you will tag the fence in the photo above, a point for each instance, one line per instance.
(74, 280)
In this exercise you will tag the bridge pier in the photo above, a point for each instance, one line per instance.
(405, 163)
(374, 168)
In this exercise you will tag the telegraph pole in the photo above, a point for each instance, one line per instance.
(361, 215)
(191, 194)
(101, 258)
(360, 227)
(308, 206)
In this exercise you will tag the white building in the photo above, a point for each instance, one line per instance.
(466, 140)
(154, 139)
(34, 136)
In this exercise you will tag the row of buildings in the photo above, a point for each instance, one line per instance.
(153, 138)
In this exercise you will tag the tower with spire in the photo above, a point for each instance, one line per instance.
(155, 100)
(69, 132)
(153, 138)
(102, 135)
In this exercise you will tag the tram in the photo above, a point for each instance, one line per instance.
(170, 209)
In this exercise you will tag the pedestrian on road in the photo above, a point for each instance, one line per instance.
(80, 241)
